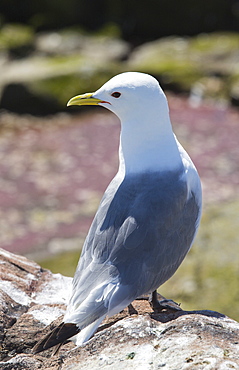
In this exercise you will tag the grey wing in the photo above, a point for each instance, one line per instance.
(138, 237)
(164, 228)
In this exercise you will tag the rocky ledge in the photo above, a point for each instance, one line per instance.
(33, 299)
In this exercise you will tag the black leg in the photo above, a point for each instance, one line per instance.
(159, 303)
(132, 310)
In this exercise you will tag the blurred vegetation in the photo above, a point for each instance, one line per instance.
(209, 276)
(61, 88)
(15, 35)
(75, 46)
(65, 63)
(64, 263)
(186, 61)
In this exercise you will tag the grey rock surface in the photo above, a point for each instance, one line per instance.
(32, 300)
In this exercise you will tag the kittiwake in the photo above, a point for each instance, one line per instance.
(148, 217)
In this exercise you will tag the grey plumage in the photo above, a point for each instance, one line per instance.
(136, 221)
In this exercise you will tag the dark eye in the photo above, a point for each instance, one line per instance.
(116, 94)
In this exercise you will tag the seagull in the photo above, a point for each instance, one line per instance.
(147, 219)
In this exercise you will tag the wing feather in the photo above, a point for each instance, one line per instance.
(140, 234)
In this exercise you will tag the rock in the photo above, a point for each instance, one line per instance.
(58, 65)
(49, 81)
(32, 299)
(101, 47)
(169, 59)
(181, 62)
(61, 62)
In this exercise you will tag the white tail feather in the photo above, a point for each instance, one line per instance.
(86, 333)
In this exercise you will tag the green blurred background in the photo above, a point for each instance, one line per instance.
(52, 50)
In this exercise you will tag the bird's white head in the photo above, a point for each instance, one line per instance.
(147, 142)
(129, 95)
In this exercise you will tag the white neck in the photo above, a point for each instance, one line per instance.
(149, 147)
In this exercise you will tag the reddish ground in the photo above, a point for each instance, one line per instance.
(54, 171)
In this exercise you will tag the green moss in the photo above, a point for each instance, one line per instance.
(110, 29)
(169, 58)
(65, 263)
(185, 61)
(15, 35)
(183, 73)
(60, 87)
(214, 42)
(226, 353)
(171, 71)
(63, 87)
(131, 356)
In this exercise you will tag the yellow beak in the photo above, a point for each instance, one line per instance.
(85, 99)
